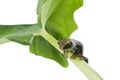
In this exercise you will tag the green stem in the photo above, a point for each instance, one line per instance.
(83, 66)
(49, 38)
(87, 70)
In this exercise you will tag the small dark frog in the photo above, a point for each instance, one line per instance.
(73, 46)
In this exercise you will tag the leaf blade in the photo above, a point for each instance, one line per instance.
(61, 23)
(18, 33)
(3, 40)
(57, 17)
(41, 47)
(47, 9)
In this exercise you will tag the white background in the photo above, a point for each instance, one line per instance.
(99, 31)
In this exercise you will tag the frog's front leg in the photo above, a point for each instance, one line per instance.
(66, 53)
(84, 58)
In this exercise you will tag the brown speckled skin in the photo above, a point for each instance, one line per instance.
(73, 46)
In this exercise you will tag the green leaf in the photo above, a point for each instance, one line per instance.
(18, 33)
(57, 17)
(41, 47)
(3, 40)
(39, 6)
(47, 9)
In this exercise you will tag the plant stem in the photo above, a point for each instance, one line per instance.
(49, 38)
(86, 69)
(83, 66)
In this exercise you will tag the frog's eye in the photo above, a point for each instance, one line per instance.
(68, 45)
